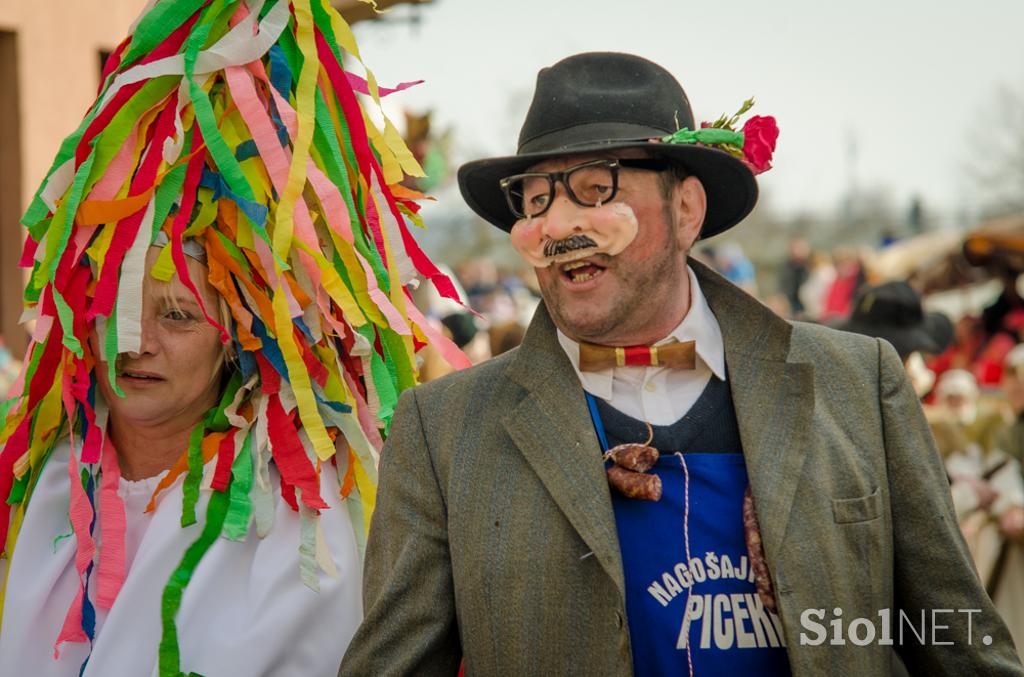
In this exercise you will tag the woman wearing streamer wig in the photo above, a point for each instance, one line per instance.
(219, 260)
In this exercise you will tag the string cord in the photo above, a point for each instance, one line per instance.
(595, 417)
(686, 544)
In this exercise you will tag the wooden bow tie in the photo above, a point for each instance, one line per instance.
(673, 355)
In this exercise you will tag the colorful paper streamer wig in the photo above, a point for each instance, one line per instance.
(235, 125)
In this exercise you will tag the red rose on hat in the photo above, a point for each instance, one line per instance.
(759, 135)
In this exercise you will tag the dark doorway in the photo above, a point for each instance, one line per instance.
(10, 196)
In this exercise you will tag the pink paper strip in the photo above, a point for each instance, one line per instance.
(444, 345)
(361, 86)
(80, 513)
(111, 571)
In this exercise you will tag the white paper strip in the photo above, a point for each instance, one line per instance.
(238, 47)
(129, 288)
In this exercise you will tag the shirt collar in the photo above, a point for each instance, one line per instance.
(698, 325)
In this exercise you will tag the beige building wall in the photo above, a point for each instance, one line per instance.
(58, 68)
(56, 63)
(49, 75)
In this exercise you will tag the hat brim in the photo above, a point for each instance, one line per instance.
(730, 186)
(927, 337)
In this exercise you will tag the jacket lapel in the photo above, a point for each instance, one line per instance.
(551, 426)
(773, 398)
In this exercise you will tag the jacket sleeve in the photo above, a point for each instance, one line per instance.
(933, 569)
(409, 626)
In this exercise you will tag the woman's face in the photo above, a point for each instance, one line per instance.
(175, 377)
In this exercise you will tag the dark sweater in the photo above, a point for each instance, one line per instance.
(709, 426)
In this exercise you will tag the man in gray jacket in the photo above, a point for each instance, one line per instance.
(665, 478)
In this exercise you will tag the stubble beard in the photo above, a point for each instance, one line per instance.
(642, 302)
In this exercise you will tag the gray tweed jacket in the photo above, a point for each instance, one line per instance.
(494, 538)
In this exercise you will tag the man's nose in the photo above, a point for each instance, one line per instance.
(564, 217)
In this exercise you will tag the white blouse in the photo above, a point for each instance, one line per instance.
(245, 613)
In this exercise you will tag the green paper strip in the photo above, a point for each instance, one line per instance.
(323, 22)
(218, 420)
(396, 357)
(33, 292)
(55, 245)
(18, 490)
(190, 489)
(110, 349)
(6, 405)
(382, 379)
(157, 25)
(170, 188)
(170, 652)
(239, 517)
(33, 365)
(67, 323)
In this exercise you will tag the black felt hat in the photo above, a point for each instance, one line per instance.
(602, 101)
(893, 311)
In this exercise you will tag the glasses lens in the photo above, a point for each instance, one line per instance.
(529, 194)
(592, 184)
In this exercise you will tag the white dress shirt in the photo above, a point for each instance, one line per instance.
(659, 395)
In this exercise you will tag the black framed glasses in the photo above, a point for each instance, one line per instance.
(589, 184)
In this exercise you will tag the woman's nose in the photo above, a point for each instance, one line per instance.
(148, 340)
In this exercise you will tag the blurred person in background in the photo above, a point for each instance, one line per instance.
(469, 333)
(892, 311)
(505, 337)
(734, 265)
(1006, 581)
(959, 403)
(793, 275)
(842, 291)
(966, 427)
(963, 351)
(813, 291)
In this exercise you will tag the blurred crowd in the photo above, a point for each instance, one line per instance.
(967, 370)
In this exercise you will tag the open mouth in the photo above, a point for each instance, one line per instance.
(581, 271)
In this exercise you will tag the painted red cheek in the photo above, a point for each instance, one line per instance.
(527, 239)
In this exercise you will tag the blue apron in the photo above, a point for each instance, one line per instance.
(706, 603)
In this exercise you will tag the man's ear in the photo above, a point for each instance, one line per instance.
(691, 205)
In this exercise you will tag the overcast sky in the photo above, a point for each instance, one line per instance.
(903, 82)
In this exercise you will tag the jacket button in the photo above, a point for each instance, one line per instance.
(618, 619)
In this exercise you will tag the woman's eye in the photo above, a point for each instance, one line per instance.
(177, 315)
(538, 201)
